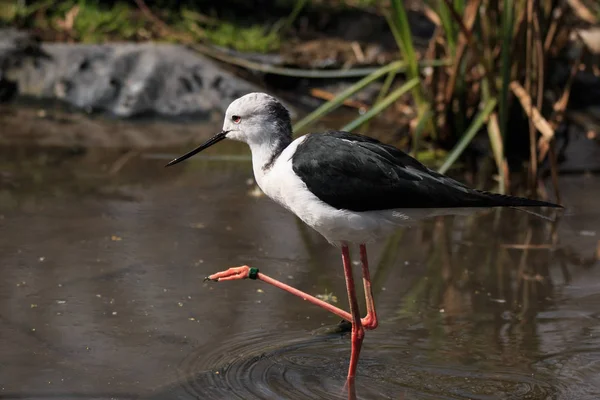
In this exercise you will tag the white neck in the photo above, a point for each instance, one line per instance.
(264, 155)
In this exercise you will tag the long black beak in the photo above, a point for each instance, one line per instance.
(215, 139)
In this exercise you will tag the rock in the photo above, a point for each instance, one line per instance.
(15, 46)
(123, 79)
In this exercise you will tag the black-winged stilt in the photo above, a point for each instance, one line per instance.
(348, 187)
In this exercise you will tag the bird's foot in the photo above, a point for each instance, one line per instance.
(233, 274)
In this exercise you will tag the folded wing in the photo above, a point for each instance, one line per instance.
(358, 173)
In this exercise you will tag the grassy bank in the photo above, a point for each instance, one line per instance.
(500, 86)
(95, 21)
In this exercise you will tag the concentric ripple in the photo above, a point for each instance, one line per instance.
(265, 365)
(261, 365)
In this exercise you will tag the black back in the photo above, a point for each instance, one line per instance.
(358, 173)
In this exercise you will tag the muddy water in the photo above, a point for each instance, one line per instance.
(103, 255)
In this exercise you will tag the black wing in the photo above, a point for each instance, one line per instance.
(358, 173)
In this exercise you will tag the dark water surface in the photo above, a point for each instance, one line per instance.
(103, 255)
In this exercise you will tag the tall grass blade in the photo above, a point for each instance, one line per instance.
(464, 34)
(403, 35)
(339, 99)
(496, 139)
(505, 66)
(468, 136)
(497, 149)
(385, 88)
(285, 23)
(382, 105)
(426, 117)
(447, 24)
(400, 28)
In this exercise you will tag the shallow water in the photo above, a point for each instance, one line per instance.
(103, 255)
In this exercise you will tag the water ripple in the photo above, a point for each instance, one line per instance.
(263, 365)
(268, 365)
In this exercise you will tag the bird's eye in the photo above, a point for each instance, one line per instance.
(236, 119)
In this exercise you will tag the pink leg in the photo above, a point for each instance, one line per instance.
(351, 388)
(370, 321)
(353, 317)
(242, 272)
(358, 333)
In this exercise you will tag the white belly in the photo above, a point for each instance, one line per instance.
(282, 185)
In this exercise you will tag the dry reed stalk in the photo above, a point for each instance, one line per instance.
(582, 11)
(325, 95)
(464, 38)
(533, 164)
(532, 112)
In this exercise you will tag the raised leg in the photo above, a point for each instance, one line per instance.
(358, 333)
(358, 324)
(370, 321)
(243, 272)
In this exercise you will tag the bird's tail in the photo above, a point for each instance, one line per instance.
(501, 200)
(521, 204)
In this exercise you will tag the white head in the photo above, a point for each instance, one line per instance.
(256, 119)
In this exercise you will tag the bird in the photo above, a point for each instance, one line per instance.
(351, 188)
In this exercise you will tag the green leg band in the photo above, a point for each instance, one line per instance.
(253, 273)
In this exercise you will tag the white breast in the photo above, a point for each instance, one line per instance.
(282, 185)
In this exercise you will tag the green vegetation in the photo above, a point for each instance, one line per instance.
(93, 23)
(253, 39)
(96, 21)
(499, 53)
(483, 73)
(85, 21)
